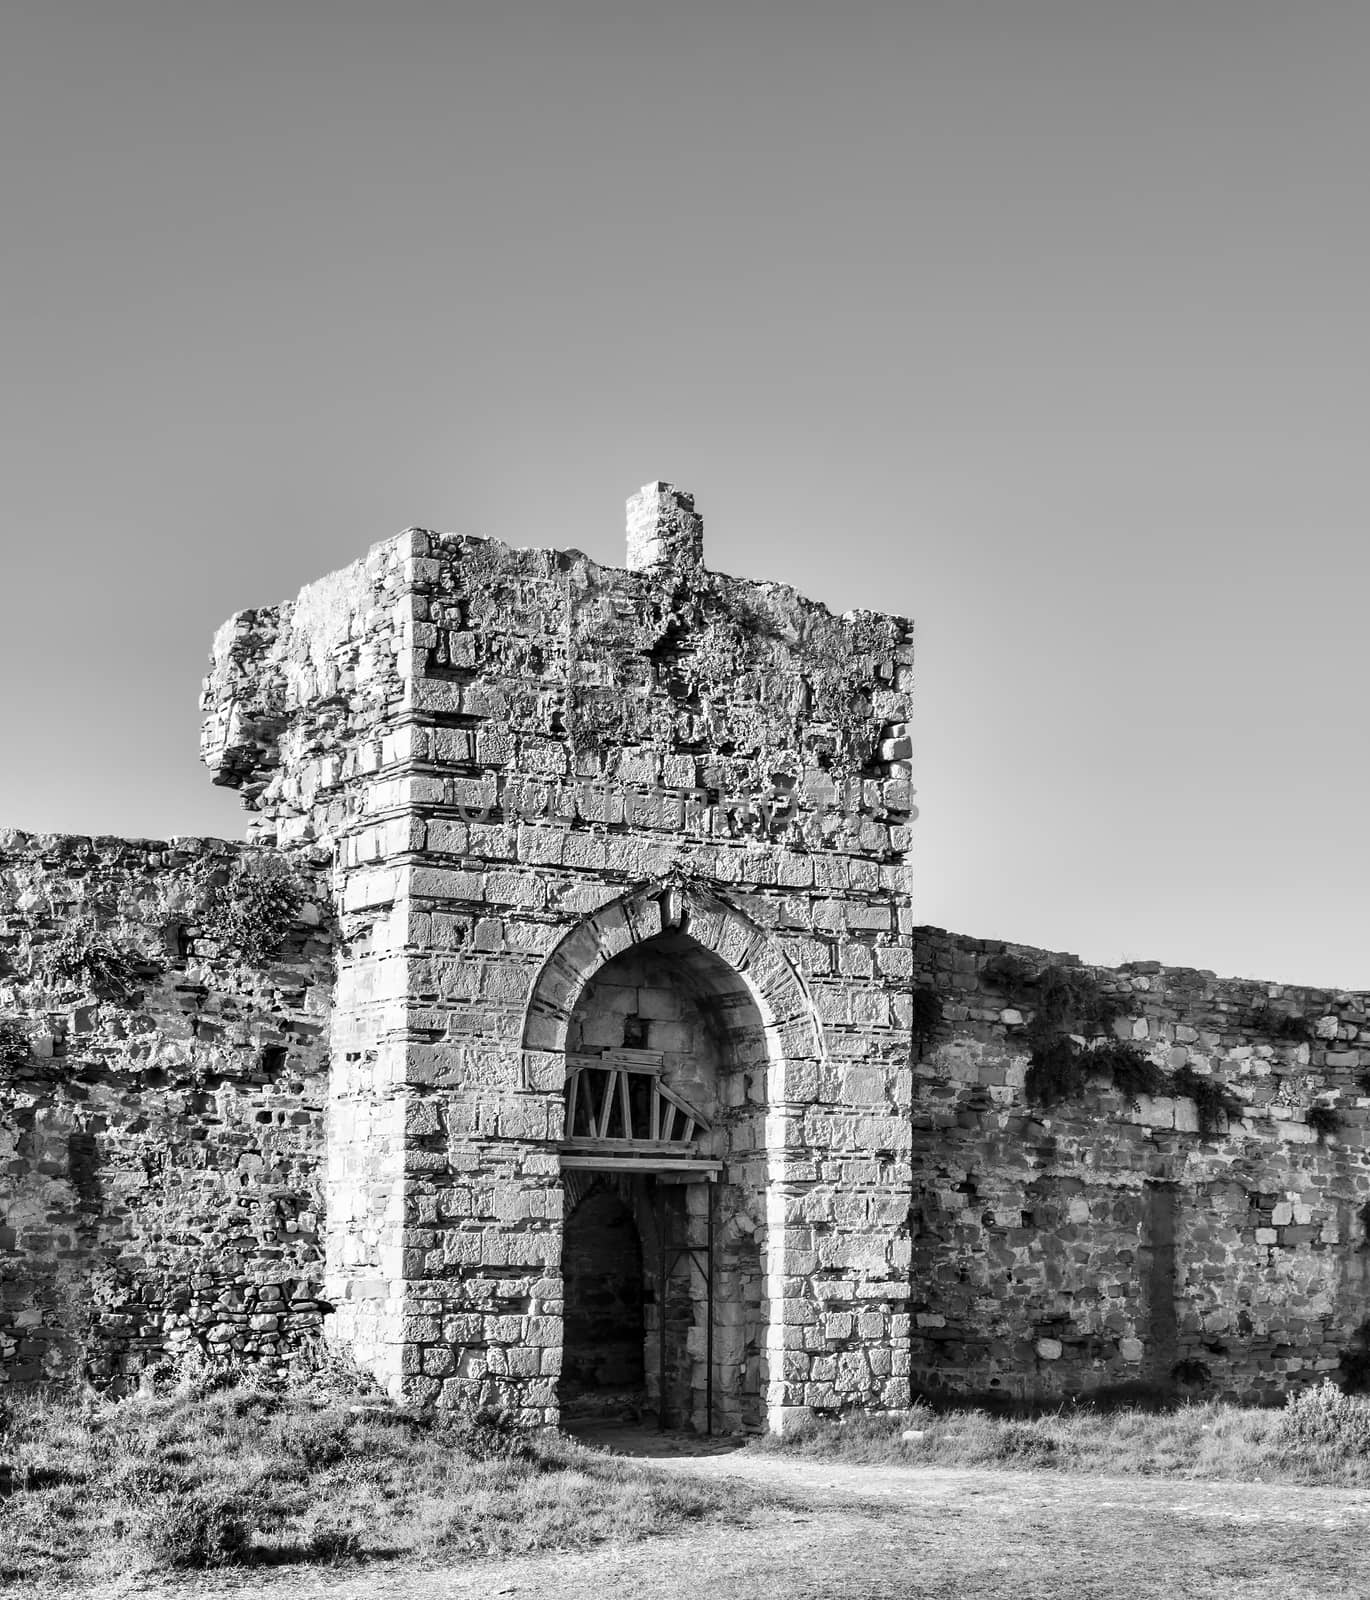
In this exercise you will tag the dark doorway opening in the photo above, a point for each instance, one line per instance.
(604, 1337)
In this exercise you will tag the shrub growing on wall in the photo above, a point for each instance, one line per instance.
(1070, 1005)
(1324, 1120)
(1069, 1000)
(1192, 1372)
(1286, 1026)
(1058, 1070)
(1008, 973)
(1132, 1072)
(81, 954)
(251, 914)
(1213, 1100)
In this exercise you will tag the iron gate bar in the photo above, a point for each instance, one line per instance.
(709, 1321)
(659, 1205)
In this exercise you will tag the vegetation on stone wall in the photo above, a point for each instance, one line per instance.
(1287, 1027)
(84, 956)
(1324, 1120)
(1069, 1006)
(1133, 1073)
(1072, 998)
(1060, 1070)
(127, 1120)
(1213, 1101)
(1008, 973)
(1192, 1373)
(252, 912)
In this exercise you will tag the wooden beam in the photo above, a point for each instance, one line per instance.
(644, 1164)
(606, 1103)
(624, 1146)
(636, 1060)
(624, 1105)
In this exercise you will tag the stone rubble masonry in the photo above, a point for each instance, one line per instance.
(506, 770)
(1110, 1243)
(161, 1152)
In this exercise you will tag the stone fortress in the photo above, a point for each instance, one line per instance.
(563, 1036)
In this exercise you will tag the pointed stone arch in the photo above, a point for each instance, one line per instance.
(794, 1033)
(739, 963)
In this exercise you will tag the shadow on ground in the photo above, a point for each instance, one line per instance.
(644, 1441)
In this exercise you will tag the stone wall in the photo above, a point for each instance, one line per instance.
(1114, 1239)
(161, 1112)
(544, 808)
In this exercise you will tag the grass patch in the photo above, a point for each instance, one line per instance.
(242, 1477)
(1321, 1436)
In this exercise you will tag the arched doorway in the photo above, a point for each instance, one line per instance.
(673, 985)
(665, 1099)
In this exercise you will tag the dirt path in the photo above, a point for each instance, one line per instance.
(840, 1532)
(835, 1481)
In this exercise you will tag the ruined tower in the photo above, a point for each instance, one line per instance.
(625, 945)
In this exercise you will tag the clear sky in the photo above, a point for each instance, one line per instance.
(1045, 324)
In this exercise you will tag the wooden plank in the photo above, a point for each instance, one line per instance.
(682, 1104)
(624, 1107)
(583, 1142)
(649, 1061)
(644, 1164)
(637, 1060)
(606, 1101)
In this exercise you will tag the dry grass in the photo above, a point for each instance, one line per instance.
(242, 1477)
(1320, 1437)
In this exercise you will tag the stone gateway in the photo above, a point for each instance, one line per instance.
(562, 1039)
